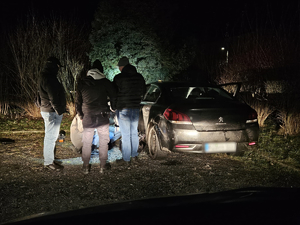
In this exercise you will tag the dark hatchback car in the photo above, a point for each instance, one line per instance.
(196, 118)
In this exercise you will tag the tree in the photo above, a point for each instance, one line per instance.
(36, 40)
(140, 31)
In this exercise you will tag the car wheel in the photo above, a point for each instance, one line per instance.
(154, 147)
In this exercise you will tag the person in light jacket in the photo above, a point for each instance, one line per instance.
(93, 109)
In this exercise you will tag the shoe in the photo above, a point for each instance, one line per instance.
(107, 166)
(54, 167)
(85, 169)
(121, 162)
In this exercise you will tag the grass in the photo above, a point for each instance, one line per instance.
(274, 147)
(26, 123)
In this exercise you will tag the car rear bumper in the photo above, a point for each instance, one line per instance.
(194, 141)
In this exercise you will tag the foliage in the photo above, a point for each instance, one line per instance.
(261, 106)
(288, 113)
(32, 43)
(138, 30)
(265, 59)
(280, 147)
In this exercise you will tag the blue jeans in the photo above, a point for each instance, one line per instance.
(52, 126)
(128, 122)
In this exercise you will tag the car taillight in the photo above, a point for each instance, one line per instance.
(252, 117)
(176, 117)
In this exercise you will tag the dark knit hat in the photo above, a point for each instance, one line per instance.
(123, 61)
(54, 60)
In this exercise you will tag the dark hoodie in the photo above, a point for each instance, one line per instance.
(51, 91)
(131, 88)
(91, 99)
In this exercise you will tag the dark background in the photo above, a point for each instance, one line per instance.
(207, 19)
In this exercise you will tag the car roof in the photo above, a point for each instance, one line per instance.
(169, 84)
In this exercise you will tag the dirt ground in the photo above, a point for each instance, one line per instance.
(27, 189)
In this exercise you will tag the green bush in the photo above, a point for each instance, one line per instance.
(135, 30)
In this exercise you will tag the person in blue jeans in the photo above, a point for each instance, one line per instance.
(131, 88)
(53, 105)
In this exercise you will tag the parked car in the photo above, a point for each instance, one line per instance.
(196, 118)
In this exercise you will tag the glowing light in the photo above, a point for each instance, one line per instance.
(252, 143)
(222, 48)
(176, 117)
(182, 146)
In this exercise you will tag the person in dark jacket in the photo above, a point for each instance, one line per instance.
(53, 105)
(131, 87)
(92, 107)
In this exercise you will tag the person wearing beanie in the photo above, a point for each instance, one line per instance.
(93, 109)
(131, 88)
(53, 105)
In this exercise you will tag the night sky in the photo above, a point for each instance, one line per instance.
(195, 16)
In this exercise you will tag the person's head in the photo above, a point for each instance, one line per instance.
(97, 65)
(123, 62)
(54, 61)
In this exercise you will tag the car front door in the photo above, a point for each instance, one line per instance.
(149, 100)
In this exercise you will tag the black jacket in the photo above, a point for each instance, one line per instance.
(51, 91)
(131, 88)
(92, 101)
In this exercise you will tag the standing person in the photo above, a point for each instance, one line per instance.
(131, 88)
(53, 105)
(92, 108)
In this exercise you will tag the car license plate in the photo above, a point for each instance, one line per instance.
(220, 147)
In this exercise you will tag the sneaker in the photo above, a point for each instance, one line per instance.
(54, 167)
(85, 169)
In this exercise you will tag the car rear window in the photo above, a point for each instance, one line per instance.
(199, 93)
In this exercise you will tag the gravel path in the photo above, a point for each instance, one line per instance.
(26, 188)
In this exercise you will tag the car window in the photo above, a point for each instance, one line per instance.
(152, 94)
(198, 93)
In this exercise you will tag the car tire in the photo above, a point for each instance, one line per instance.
(154, 147)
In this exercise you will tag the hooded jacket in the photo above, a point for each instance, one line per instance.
(51, 91)
(92, 99)
(130, 86)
